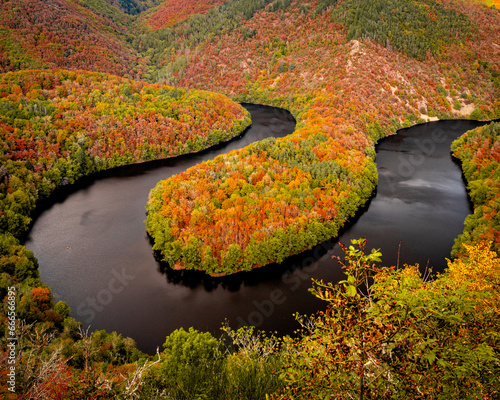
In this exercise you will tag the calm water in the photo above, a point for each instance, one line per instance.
(93, 250)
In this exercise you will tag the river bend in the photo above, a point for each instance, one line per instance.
(93, 250)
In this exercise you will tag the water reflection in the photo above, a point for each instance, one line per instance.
(194, 279)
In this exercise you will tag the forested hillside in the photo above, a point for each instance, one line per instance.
(89, 35)
(133, 7)
(351, 72)
(58, 126)
(174, 11)
(348, 81)
(479, 152)
(492, 3)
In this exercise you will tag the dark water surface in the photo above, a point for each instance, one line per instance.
(93, 250)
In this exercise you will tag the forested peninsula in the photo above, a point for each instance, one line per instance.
(91, 85)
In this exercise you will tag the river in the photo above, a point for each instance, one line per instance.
(93, 250)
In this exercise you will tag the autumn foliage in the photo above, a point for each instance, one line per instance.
(403, 336)
(121, 120)
(259, 205)
(66, 34)
(477, 269)
(491, 3)
(173, 11)
(351, 72)
(56, 126)
(479, 152)
(277, 198)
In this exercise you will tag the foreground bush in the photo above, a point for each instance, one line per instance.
(402, 336)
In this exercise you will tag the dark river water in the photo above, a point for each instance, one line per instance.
(93, 250)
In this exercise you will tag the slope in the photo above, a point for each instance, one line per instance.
(284, 196)
(88, 35)
(56, 126)
(171, 12)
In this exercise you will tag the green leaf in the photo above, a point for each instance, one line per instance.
(430, 357)
(351, 290)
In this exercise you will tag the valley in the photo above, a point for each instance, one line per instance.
(97, 86)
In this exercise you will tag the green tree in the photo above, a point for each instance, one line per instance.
(191, 367)
(16, 260)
